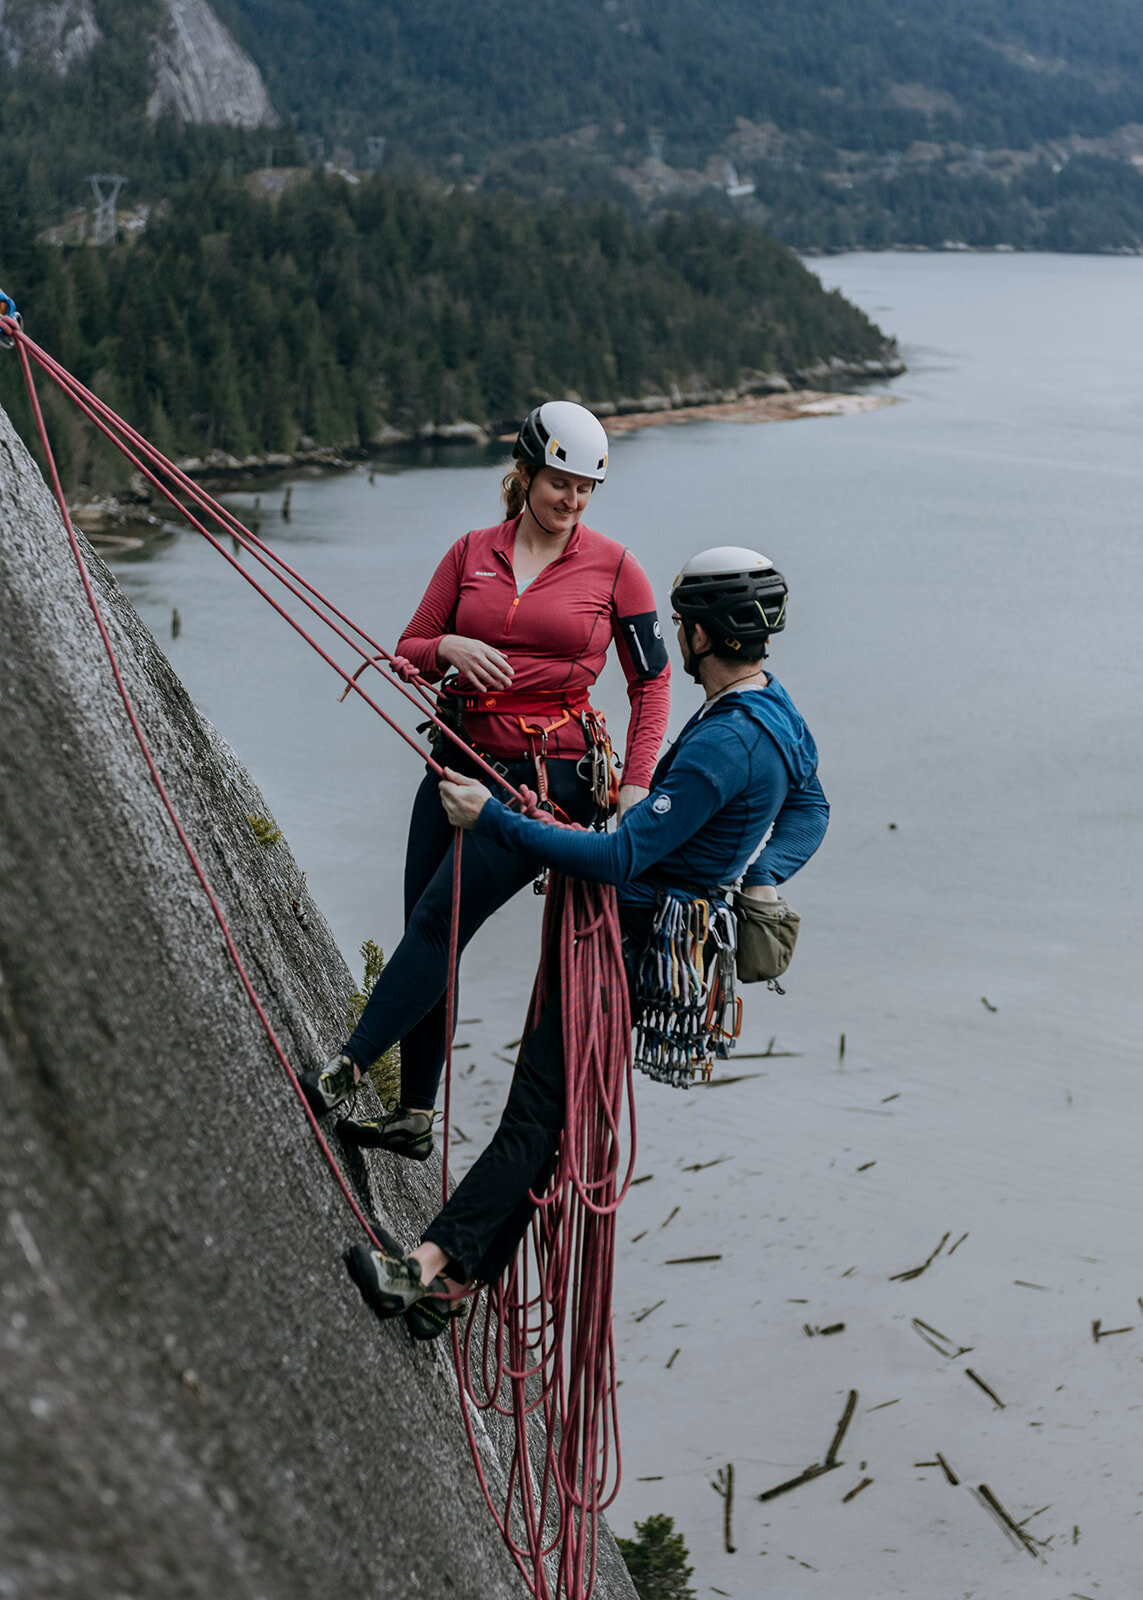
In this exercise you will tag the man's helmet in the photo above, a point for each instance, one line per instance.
(566, 436)
(738, 595)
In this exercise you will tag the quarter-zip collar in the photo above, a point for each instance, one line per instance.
(504, 541)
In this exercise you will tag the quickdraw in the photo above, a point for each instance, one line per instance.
(687, 1012)
(599, 765)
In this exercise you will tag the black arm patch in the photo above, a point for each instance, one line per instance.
(644, 639)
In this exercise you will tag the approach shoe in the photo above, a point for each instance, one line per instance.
(328, 1088)
(405, 1132)
(389, 1285)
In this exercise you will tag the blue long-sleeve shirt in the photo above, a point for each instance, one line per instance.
(743, 766)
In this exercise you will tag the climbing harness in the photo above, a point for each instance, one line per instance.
(687, 1012)
(544, 1352)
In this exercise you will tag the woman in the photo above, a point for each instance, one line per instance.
(524, 612)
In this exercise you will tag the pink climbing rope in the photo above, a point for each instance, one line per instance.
(538, 1345)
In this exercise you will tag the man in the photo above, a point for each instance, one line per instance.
(736, 799)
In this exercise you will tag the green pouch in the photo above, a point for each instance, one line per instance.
(767, 933)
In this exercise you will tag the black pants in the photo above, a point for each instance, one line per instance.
(408, 1001)
(489, 1211)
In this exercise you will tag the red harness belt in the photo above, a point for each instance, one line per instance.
(525, 702)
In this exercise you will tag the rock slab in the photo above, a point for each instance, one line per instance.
(193, 1400)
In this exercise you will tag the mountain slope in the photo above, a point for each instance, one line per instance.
(153, 90)
(836, 113)
(875, 75)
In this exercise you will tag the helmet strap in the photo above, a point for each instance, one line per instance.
(551, 532)
(693, 660)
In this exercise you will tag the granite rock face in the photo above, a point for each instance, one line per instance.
(202, 74)
(193, 1400)
(57, 35)
(199, 71)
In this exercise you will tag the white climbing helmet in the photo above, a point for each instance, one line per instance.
(738, 594)
(565, 435)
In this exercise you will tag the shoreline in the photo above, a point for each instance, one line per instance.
(758, 408)
(127, 522)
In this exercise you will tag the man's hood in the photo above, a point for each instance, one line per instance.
(777, 713)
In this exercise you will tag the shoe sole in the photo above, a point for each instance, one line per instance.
(308, 1084)
(359, 1265)
(424, 1323)
(429, 1318)
(358, 1137)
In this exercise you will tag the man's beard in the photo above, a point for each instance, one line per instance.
(692, 664)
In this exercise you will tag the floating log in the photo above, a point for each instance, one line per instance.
(1012, 1528)
(980, 1383)
(723, 1485)
(915, 1272)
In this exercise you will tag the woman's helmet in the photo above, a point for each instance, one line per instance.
(563, 435)
(738, 595)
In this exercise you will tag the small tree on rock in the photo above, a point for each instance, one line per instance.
(657, 1560)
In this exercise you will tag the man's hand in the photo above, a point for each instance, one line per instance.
(758, 891)
(480, 663)
(630, 794)
(463, 798)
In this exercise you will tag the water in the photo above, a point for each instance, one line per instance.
(967, 583)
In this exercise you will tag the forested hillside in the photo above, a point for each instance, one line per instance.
(58, 126)
(983, 122)
(445, 78)
(889, 121)
(238, 324)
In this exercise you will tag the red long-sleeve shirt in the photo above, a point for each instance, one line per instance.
(555, 634)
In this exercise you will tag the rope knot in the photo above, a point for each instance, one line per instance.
(531, 807)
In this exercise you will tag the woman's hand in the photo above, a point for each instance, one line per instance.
(478, 662)
(630, 794)
(463, 798)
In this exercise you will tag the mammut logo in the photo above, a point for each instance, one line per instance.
(480, 574)
(661, 804)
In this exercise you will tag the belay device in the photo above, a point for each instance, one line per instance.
(686, 1009)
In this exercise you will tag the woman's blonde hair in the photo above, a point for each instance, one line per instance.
(514, 490)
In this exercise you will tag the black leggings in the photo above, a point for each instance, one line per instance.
(408, 1001)
(489, 1211)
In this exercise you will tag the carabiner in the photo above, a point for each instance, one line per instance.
(8, 309)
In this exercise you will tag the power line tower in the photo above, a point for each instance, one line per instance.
(105, 187)
(374, 151)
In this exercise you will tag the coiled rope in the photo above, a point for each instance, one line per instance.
(538, 1344)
